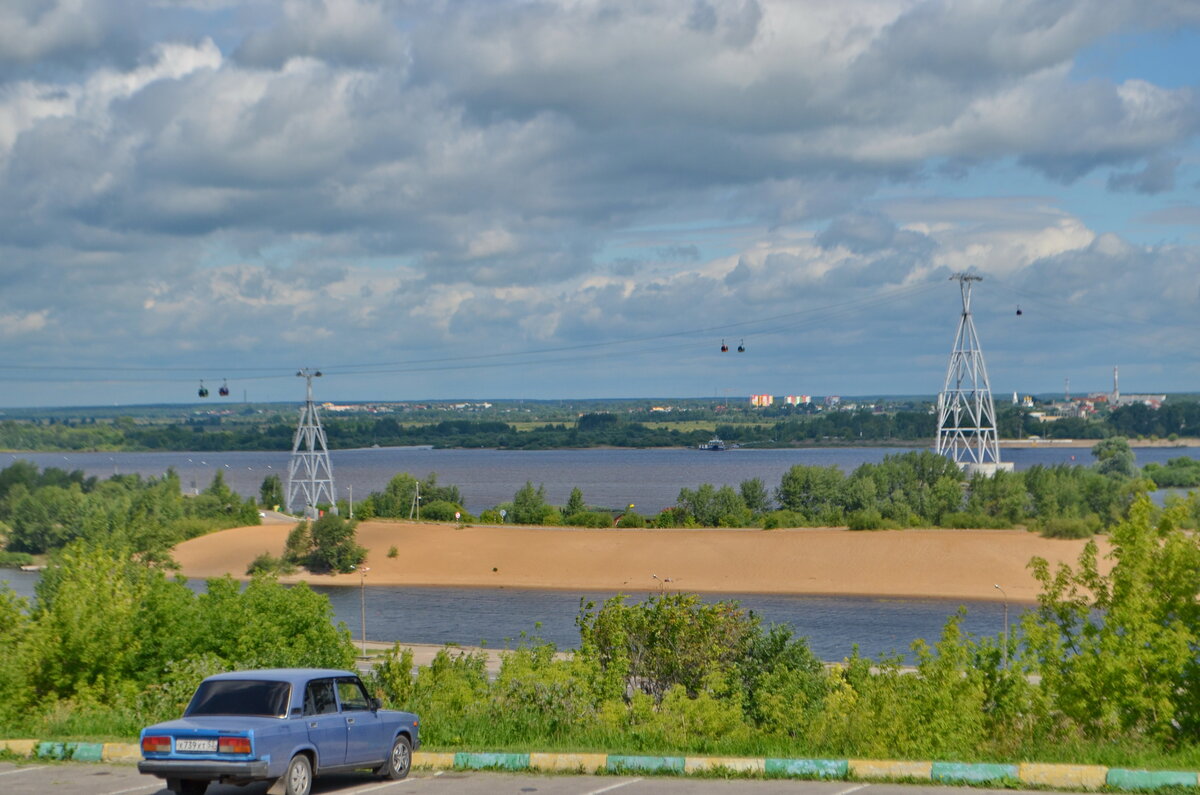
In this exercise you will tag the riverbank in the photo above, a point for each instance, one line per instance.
(947, 564)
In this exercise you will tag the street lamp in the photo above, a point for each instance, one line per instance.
(362, 591)
(1005, 648)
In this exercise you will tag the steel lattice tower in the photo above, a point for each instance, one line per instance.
(309, 472)
(966, 415)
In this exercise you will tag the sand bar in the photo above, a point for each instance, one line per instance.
(951, 564)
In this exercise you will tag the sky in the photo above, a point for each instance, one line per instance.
(559, 200)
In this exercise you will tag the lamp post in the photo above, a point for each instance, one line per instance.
(362, 591)
(1004, 650)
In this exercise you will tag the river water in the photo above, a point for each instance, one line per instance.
(614, 478)
(650, 479)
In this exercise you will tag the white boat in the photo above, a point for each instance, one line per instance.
(713, 444)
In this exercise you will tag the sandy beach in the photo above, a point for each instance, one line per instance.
(951, 564)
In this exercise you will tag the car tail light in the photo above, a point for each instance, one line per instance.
(156, 745)
(233, 745)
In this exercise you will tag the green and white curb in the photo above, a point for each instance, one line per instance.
(1037, 774)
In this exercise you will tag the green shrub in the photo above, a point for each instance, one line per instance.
(15, 560)
(266, 563)
(393, 552)
(589, 519)
(442, 511)
(491, 516)
(964, 520)
(631, 519)
(783, 518)
(1064, 527)
(868, 519)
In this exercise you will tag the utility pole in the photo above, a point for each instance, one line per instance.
(966, 414)
(310, 476)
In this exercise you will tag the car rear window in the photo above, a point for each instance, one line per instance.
(240, 697)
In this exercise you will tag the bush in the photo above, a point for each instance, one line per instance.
(631, 519)
(589, 519)
(783, 518)
(1064, 527)
(869, 519)
(266, 563)
(15, 560)
(491, 516)
(964, 520)
(442, 511)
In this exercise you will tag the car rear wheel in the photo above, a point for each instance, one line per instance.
(298, 778)
(399, 761)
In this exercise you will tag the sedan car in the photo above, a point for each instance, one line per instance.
(284, 725)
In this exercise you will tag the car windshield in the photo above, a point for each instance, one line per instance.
(240, 697)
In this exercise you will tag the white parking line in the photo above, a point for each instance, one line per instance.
(852, 789)
(385, 786)
(22, 770)
(612, 787)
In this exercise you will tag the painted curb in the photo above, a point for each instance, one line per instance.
(19, 747)
(890, 769)
(808, 768)
(736, 764)
(121, 752)
(439, 761)
(982, 773)
(1087, 777)
(645, 764)
(485, 761)
(1149, 779)
(1070, 776)
(566, 763)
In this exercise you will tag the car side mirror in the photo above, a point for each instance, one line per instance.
(376, 704)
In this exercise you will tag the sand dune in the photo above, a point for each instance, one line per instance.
(953, 564)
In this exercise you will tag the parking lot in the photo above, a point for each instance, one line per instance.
(103, 779)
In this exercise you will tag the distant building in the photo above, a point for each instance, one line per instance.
(762, 401)
(832, 400)
(798, 400)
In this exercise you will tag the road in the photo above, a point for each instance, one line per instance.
(101, 779)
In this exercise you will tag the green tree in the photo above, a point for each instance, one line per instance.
(334, 547)
(529, 505)
(1134, 673)
(1114, 458)
(575, 503)
(755, 496)
(270, 493)
(816, 493)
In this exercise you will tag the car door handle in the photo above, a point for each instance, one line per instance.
(350, 720)
(312, 725)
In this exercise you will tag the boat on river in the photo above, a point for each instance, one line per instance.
(713, 444)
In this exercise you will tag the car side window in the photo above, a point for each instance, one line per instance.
(319, 699)
(351, 694)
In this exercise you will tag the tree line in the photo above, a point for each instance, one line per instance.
(913, 489)
(1172, 419)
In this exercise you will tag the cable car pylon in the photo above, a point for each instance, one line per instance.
(310, 476)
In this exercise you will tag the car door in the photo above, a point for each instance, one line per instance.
(365, 741)
(326, 727)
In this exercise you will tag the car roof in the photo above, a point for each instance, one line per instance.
(289, 675)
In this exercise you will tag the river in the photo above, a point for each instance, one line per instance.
(613, 478)
(650, 479)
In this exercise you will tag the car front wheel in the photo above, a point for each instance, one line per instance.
(298, 778)
(400, 760)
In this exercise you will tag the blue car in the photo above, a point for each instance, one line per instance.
(285, 725)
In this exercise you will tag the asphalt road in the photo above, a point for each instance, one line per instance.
(102, 779)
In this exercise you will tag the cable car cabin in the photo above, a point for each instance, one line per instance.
(202, 391)
(1019, 312)
(742, 346)
(724, 347)
(224, 390)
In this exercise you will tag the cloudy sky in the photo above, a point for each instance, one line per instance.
(574, 199)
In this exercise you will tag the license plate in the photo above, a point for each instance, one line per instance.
(200, 746)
